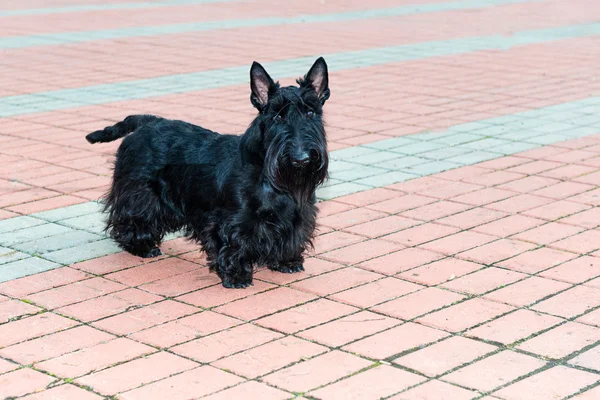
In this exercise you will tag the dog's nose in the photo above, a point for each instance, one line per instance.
(301, 160)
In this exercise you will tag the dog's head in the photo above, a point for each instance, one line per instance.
(288, 137)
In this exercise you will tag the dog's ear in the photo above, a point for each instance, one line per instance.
(318, 78)
(262, 86)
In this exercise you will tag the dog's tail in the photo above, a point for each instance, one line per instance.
(120, 129)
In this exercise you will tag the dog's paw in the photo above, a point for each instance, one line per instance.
(153, 252)
(290, 268)
(236, 283)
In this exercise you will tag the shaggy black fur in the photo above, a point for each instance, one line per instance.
(248, 200)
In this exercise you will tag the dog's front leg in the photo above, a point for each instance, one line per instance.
(295, 264)
(234, 268)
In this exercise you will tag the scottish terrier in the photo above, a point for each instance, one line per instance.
(247, 199)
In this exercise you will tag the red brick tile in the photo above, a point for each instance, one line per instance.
(535, 167)
(563, 190)
(363, 251)
(513, 327)
(7, 366)
(570, 303)
(270, 357)
(43, 281)
(496, 251)
(190, 384)
(445, 355)
(46, 204)
(588, 359)
(21, 382)
(589, 198)
(312, 266)
(394, 341)
(375, 383)
(145, 317)
(592, 179)
(459, 174)
(64, 392)
(465, 315)
(55, 344)
(226, 343)
(418, 185)
(135, 373)
(383, 226)
(32, 327)
(351, 217)
(494, 371)
(528, 184)
(587, 219)
(509, 226)
(418, 303)
(421, 234)
(575, 271)
(376, 292)
(399, 261)
(519, 203)
(94, 358)
(584, 242)
(350, 328)
(111, 263)
(494, 178)
(113, 303)
(556, 210)
(450, 190)
(401, 204)
(562, 340)
(217, 295)
(316, 372)
(332, 207)
(545, 234)
(483, 281)
(183, 283)
(471, 218)
(440, 271)
(336, 281)
(591, 394)
(527, 291)
(184, 329)
(484, 196)
(555, 383)
(435, 211)
(180, 246)
(537, 260)
(368, 197)
(435, 390)
(75, 292)
(335, 240)
(153, 271)
(503, 162)
(251, 390)
(15, 308)
(458, 242)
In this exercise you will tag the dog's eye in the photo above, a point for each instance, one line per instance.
(278, 117)
(310, 113)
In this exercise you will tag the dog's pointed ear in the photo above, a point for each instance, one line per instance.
(262, 86)
(318, 78)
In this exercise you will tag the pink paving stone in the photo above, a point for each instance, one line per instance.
(591, 394)
(64, 392)
(226, 343)
(317, 371)
(548, 233)
(588, 359)
(7, 366)
(135, 373)
(435, 211)
(496, 251)
(519, 203)
(113, 303)
(418, 303)
(306, 315)
(15, 308)
(46, 204)
(111, 263)
(383, 226)
(184, 329)
(183, 283)
(483, 281)
(42, 281)
(347, 329)
(464, 315)
(440, 271)
(512, 327)
(450, 190)
(484, 196)
(435, 390)
(509, 226)
(421, 234)
(494, 371)
(21, 382)
(590, 198)
(458, 242)
(445, 355)
(460, 174)
(471, 218)
(555, 210)
(190, 384)
(32, 327)
(400, 204)
(335, 240)
(153, 271)
(562, 340)
(494, 178)
(587, 219)
(555, 383)
(575, 271)
(363, 251)
(251, 390)
(571, 302)
(418, 185)
(563, 190)
(593, 178)
(336, 281)
(368, 197)
(145, 317)
(312, 266)
(537, 260)
(180, 246)
(527, 291)
(332, 207)
(55, 344)
(75, 292)
(528, 184)
(399, 261)
(375, 383)
(217, 295)
(585, 242)
(270, 357)
(395, 341)
(351, 217)
(376, 292)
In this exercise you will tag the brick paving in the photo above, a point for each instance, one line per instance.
(458, 255)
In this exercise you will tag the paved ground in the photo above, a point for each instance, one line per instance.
(459, 247)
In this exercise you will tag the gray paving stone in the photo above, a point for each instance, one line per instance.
(351, 152)
(26, 267)
(473, 157)
(374, 158)
(8, 255)
(485, 144)
(442, 154)
(95, 222)
(515, 147)
(361, 171)
(402, 162)
(83, 252)
(341, 190)
(32, 233)
(548, 138)
(418, 148)
(459, 138)
(338, 166)
(387, 144)
(16, 223)
(69, 211)
(388, 178)
(58, 242)
(431, 168)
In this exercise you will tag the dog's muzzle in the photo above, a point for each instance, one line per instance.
(300, 160)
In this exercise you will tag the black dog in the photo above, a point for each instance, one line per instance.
(246, 199)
